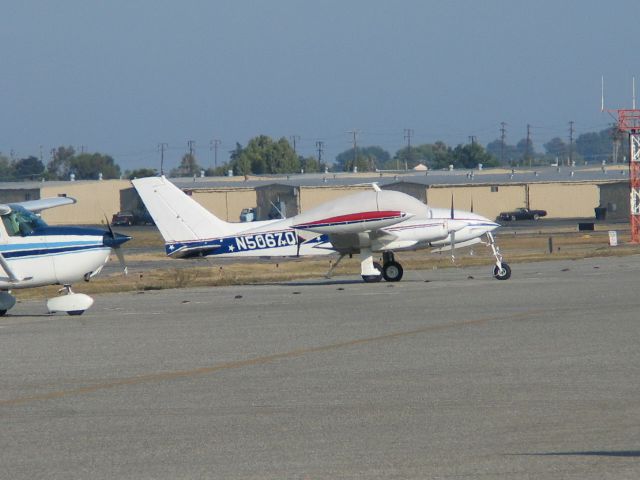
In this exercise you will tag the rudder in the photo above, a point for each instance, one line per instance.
(178, 216)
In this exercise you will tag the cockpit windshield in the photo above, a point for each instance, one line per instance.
(21, 222)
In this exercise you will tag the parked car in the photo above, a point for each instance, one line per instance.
(123, 219)
(128, 218)
(522, 214)
(248, 215)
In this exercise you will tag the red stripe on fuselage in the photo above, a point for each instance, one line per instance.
(354, 218)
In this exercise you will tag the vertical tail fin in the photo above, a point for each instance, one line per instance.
(178, 216)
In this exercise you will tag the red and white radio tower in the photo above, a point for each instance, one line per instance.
(629, 121)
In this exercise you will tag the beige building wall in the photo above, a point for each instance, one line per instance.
(565, 200)
(311, 197)
(226, 203)
(95, 199)
(488, 200)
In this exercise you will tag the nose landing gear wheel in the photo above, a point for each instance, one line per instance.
(502, 273)
(373, 278)
(392, 271)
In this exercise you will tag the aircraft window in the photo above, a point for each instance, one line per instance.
(21, 222)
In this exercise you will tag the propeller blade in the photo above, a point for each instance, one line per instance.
(106, 219)
(452, 206)
(453, 245)
(120, 256)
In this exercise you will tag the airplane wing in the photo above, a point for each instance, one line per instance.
(37, 206)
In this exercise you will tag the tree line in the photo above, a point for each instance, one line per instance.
(64, 165)
(264, 155)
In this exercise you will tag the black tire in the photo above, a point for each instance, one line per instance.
(3, 313)
(75, 312)
(392, 272)
(503, 274)
(512, 218)
(536, 216)
(373, 278)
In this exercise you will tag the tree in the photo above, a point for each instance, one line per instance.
(595, 145)
(28, 168)
(58, 167)
(7, 171)
(311, 165)
(442, 155)
(508, 153)
(471, 155)
(555, 147)
(368, 159)
(263, 155)
(188, 167)
(89, 166)
(141, 173)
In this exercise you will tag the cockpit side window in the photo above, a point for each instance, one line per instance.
(11, 224)
(21, 222)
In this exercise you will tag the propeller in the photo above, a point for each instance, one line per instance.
(452, 206)
(115, 240)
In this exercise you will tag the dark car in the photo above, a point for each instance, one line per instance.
(522, 214)
(123, 219)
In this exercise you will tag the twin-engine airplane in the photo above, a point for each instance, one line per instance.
(33, 254)
(380, 221)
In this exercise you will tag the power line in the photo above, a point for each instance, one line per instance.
(571, 143)
(355, 146)
(162, 147)
(503, 138)
(214, 144)
(320, 147)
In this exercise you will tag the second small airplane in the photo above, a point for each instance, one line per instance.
(375, 221)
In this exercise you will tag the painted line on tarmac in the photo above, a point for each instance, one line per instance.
(163, 376)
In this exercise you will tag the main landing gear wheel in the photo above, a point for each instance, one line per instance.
(392, 271)
(3, 313)
(373, 278)
(503, 273)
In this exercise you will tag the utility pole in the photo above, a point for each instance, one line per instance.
(192, 145)
(472, 139)
(161, 148)
(408, 133)
(528, 146)
(503, 137)
(571, 143)
(355, 146)
(320, 147)
(213, 145)
(294, 138)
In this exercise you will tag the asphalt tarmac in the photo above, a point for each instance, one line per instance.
(448, 374)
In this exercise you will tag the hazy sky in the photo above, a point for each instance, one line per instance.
(121, 76)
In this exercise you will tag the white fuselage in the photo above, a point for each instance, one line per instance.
(52, 259)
